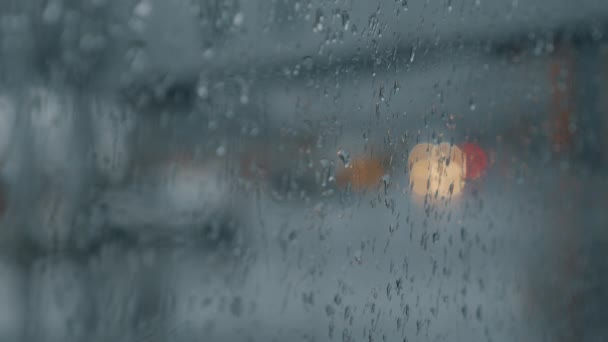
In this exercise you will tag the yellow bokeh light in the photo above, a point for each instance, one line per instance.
(437, 170)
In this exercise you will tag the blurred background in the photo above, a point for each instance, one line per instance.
(303, 170)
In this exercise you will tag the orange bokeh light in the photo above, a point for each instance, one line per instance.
(361, 174)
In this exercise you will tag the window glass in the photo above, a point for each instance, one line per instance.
(303, 170)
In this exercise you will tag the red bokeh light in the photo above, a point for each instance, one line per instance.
(477, 160)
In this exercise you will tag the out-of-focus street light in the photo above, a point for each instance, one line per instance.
(437, 170)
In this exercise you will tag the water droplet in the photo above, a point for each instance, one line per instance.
(137, 58)
(52, 12)
(344, 157)
(143, 9)
(220, 151)
(209, 53)
(307, 63)
(472, 105)
(318, 24)
(238, 19)
(338, 299)
(345, 20)
(402, 3)
(202, 91)
(386, 179)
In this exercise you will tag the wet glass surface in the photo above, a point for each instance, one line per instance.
(303, 170)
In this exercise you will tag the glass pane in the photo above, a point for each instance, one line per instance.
(303, 170)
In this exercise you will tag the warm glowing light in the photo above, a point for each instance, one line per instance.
(437, 170)
(476, 160)
(361, 174)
